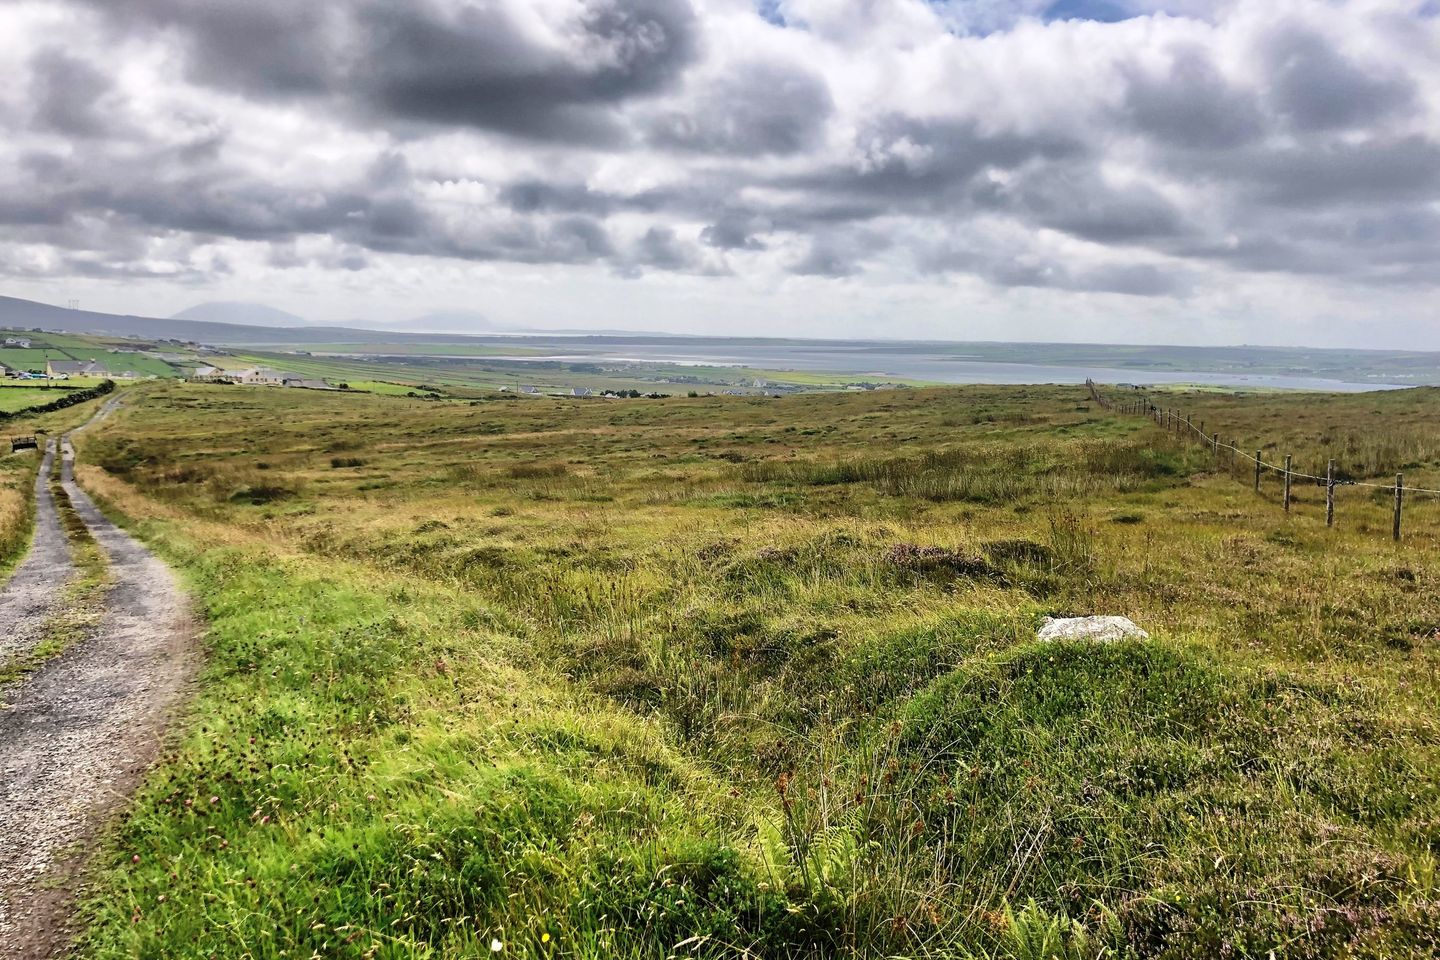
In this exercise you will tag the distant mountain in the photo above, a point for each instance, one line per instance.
(242, 312)
(439, 321)
(26, 314)
(427, 328)
(449, 321)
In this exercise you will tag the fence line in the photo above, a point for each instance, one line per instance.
(1182, 425)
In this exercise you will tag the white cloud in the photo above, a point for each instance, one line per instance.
(1187, 173)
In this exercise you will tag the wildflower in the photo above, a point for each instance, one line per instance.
(496, 946)
(544, 938)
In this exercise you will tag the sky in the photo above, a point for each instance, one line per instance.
(1159, 171)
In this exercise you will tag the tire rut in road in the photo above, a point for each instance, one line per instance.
(80, 733)
(36, 589)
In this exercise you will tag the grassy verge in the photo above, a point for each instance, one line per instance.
(17, 500)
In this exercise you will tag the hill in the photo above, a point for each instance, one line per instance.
(247, 314)
(27, 314)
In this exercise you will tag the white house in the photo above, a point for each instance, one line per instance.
(270, 377)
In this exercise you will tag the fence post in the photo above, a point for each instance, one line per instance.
(1330, 494)
(1287, 483)
(1399, 498)
(1257, 471)
(1215, 444)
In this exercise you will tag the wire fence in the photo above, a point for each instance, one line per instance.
(1184, 426)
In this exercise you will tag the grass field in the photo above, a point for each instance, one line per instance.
(745, 677)
(19, 398)
(55, 346)
(480, 373)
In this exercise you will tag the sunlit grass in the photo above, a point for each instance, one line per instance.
(701, 676)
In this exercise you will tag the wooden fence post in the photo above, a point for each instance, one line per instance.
(1287, 483)
(1330, 494)
(1257, 471)
(1399, 498)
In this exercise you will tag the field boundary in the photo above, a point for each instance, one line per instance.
(1184, 427)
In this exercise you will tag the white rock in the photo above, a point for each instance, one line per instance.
(1099, 629)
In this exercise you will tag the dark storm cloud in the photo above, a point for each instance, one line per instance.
(735, 231)
(1315, 87)
(1075, 199)
(927, 163)
(265, 47)
(1374, 171)
(530, 196)
(661, 248)
(68, 95)
(434, 63)
(1191, 104)
(473, 66)
(754, 108)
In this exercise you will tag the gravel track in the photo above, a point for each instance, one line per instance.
(80, 732)
(35, 591)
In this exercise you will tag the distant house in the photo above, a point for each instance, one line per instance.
(65, 369)
(529, 389)
(270, 377)
(580, 392)
(20, 342)
(310, 384)
(6, 371)
(207, 372)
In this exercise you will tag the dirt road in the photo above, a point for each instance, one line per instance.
(77, 734)
(34, 592)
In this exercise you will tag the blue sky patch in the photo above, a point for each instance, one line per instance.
(1105, 11)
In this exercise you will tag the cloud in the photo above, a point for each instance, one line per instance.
(1315, 87)
(70, 96)
(1190, 104)
(754, 108)
(1159, 150)
(493, 66)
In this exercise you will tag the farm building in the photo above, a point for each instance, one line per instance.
(270, 377)
(65, 369)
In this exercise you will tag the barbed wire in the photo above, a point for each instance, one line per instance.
(1151, 407)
